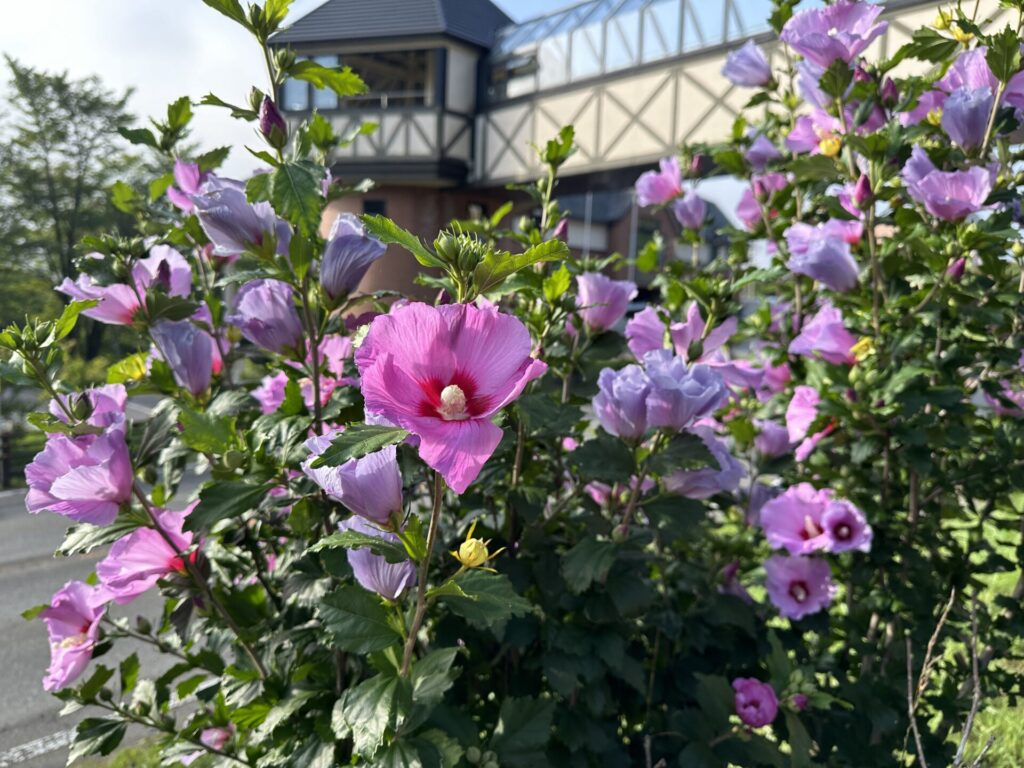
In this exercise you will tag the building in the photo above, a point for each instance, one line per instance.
(459, 92)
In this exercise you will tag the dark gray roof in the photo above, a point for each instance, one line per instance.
(474, 21)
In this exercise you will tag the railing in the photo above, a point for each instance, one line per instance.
(601, 36)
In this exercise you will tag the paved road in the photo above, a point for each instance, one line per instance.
(29, 575)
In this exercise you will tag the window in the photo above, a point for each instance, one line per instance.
(295, 96)
(393, 78)
(325, 98)
(375, 207)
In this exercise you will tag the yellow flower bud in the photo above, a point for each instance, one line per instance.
(942, 19)
(473, 553)
(960, 35)
(830, 146)
(863, 348)
(934, 117)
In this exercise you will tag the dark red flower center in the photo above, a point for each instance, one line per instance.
(452, 400)
(798, 591)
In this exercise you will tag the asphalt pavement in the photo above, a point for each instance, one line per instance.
(32, 733)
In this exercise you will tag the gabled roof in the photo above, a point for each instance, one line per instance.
(474, 21)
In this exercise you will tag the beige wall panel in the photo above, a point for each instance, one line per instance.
(461, 83)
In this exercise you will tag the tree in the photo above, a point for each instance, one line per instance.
(59, 154)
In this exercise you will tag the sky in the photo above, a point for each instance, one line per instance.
(163, 49)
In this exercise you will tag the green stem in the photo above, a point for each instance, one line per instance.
(421, 592)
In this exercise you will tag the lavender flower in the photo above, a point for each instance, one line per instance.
(187, 350)
(840, 31)
(621, 403)
(370, 486)
(747, 66)
(679, 396)
(374, 572)
(706, 482)
(603, 301)
(690, 210)
(798, 586)
(965, 116)
(264, 311)
(756, 702)
(348, 254)
(659, 187)
(820, 253)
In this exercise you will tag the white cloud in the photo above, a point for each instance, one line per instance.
(163, 49)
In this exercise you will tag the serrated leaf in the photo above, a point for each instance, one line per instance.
(1003, 55)
(523, 730)
(684, 451)
(295, 194)
(556, 284)
(356, 621)
(487, 599)
(230, 8)
(385, 230)
(497, 267)
(356, 441)
(179, 113)
(370, 709)
(222, 500)
(205, 433)
(392, 551)
(85, 537)
(129, 673)
(587, 562)
(139, 136)
(65, 324)
(432, 676)
(96, 736)
(343, 81)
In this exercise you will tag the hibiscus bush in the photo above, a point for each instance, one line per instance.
(771, 518)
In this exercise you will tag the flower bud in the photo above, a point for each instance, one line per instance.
(830, 146)
(890, 93)
(473, 755)
(798, 701)
(472, 553)
(561, 229)
(272, 124)
(862, 191)
(955, 271)
(942, 20)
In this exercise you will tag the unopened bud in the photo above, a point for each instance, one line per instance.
(955, 270)
(473, 754)
(272, 124)
(942, 20)
(862, 191)
(830, 146)
(234, 459)
(620, 533)
(561, 229)
(890, 93)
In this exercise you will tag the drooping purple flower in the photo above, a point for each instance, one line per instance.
(680, 396)
(602, 301)
(690, 210)
(232, 223)
(374, 572)
(824, 336)
(136, 562)
(970, 70)
(817, 251)
(264, 311)
(756, 702)
(118, 303)
(370, 486)
(801, 412)
(86, 478)
(761, 152)
(621, 403)
(349, 252)
(188, 181)
(808, 84)
(646, 332)
(104, 405)
(950, 195)
(747, 66)
(965, 116)
(772, 438)
(794, 521)
(187, 350)
(840, 31)
(798, 586)
(73, 625)
(845, 527)
(660, 187)
(706, 482)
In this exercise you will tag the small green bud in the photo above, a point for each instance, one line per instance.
(473, 755)
(620, 533)
(234, 459)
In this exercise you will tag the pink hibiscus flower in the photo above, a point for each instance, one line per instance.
(441, 373)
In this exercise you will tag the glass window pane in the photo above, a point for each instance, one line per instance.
(586, 51)
(623, 45)
(661, 30)
(295, 95)
(325, 98)
(551, 57)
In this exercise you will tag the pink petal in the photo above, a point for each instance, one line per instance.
(458, 449)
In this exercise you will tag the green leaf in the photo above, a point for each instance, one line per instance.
(604, 458)
(96, 736)
(716, 699)
(1003, 54)
(684, 451)
(588, 562)
(160, 306)
(205, 433)
(142, 136)
(813, 168)
(273, 14)
(131, 368)
(239, 113)
(212, 160)
(65, 324)
(343, 82)
(321, 132)
(836, 79)
(358, 440)
(123, 197)
(650, 254)
(926, 44)
(432, 676)
(179, 113)
(230, 8)
(158, 186)
(31, 613)
(385, 230)
(556, 284)
(523, 730)
(295, 194)
(223, 499)
(356, 621)
(487, 599)
(799, 742)
(257, 189)
(370, 709)
(129, 674)
(497, 267)
(560, 148)
(85, 537)
(392, 551)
